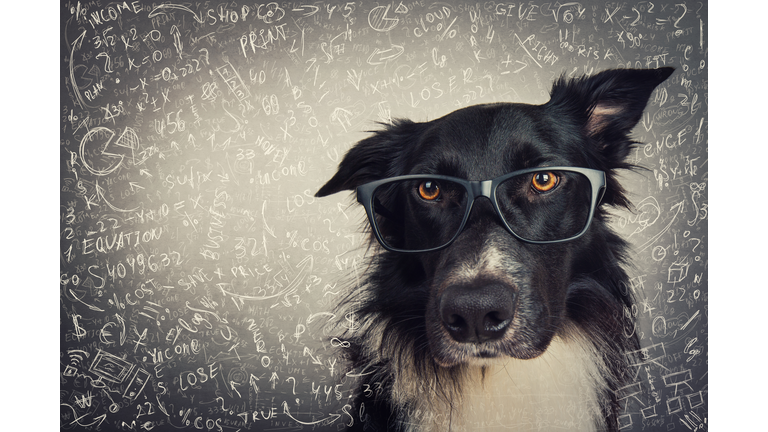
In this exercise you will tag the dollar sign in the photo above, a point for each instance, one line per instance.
(79, 330)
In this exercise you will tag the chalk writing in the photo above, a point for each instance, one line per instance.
(197, 269)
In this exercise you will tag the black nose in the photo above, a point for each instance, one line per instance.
(477, 314)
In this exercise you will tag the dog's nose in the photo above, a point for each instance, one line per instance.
(477, 314)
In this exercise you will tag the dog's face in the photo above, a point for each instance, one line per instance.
(489, 294)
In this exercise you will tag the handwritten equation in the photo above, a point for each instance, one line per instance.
(197, 270)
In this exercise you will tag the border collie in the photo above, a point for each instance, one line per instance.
(496, 297)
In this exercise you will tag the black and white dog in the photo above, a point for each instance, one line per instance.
(496, 299)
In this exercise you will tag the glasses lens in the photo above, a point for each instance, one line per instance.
(419, 214)
(546, 205)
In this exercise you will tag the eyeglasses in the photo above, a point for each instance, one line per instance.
(424, 213)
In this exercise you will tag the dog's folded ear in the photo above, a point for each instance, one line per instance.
(372, 158)
(609, 104)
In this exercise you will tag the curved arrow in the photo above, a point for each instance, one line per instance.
(330, 419)
(76, 44)
(100, 194)
(100, 419)
(315, 315)
(305, 266)
(663, 230)
(156, 11)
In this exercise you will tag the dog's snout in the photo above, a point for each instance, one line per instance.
(477, 314)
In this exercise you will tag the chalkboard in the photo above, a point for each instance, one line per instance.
(197, 269)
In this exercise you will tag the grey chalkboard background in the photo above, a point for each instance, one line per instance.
(196, 267)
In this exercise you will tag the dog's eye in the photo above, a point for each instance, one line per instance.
(544, 181)
(429, 190)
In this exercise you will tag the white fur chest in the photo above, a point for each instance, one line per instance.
(556, 391)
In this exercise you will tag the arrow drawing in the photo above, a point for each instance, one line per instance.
(159, 10)
(330, 419)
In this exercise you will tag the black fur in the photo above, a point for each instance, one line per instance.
(556, 290)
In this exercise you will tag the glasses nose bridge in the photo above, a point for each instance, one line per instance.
(481, 188)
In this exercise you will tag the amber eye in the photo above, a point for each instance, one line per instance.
(429, 190)
(544, 181)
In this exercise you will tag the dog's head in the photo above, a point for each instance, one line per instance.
(491, 279)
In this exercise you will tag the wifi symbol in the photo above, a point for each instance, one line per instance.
(75, 362)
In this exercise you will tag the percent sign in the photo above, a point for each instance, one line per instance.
(190, 221)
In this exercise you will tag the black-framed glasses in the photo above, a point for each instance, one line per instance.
(424, 213)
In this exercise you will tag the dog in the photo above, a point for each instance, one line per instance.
(496, 295)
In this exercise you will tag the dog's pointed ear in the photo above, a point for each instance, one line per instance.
(605, 108)
(608, 104)
(372, 158)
